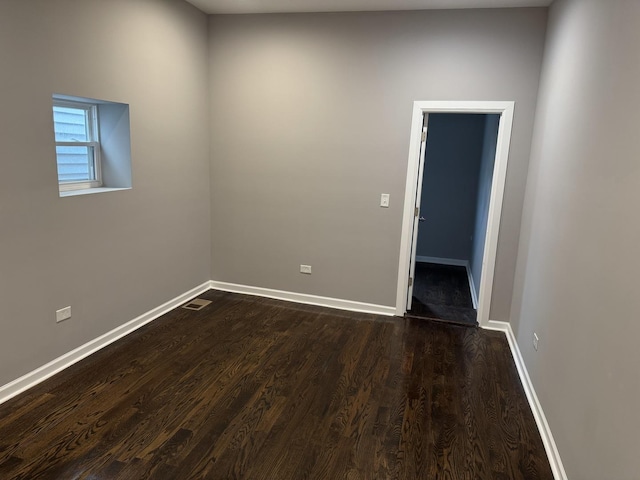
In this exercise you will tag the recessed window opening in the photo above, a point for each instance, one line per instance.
(92, 145)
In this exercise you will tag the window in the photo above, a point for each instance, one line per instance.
(92, 144)
(77, 145)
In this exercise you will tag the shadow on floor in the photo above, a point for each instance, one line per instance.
(441, 292)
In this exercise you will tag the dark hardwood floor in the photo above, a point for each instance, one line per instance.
(260, 389)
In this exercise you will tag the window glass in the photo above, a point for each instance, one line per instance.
(75, 164)
(71, 124)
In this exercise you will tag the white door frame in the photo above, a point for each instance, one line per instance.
(416, 219)
(505, 110)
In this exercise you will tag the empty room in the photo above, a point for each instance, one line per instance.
(212, 231)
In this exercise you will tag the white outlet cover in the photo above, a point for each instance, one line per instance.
(305, 269)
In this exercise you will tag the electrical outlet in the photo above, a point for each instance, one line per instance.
(305, 269)
(535, 341)
(384, 200)
(63, 314)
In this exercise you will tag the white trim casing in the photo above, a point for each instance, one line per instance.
(304, 298)
(505, 109)
(40, 374)
(538, 414)
(90, 191)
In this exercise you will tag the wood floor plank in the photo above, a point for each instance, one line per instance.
(254, 388)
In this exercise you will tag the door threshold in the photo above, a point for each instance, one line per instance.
(456, 323)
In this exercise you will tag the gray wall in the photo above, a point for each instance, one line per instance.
(310, 124)
(578, 266)
(110, 256)
(485, 177)
(450, 185)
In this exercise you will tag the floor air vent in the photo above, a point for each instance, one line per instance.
(196, 304)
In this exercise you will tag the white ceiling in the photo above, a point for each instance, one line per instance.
(279, 6)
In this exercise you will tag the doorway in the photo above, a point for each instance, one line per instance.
(478, 285)
(453, 202)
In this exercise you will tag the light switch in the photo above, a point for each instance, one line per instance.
(384, 200)
(63, 314)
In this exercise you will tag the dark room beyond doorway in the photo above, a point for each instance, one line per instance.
(454, 206)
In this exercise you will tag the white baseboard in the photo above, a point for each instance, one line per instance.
(472, 287)
(545, 432)
(40, 374)
(304, 298)
(442, 261)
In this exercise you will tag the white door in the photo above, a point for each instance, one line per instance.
(416, 217)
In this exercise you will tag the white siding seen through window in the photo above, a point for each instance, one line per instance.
(75, 143)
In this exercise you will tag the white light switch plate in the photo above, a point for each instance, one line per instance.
(63, 314)
(305, 269)
(384, 200)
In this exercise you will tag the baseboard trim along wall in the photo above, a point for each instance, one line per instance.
(304, 298)
(472, 287)
(545, 432)
(442, 261)
(40, 374)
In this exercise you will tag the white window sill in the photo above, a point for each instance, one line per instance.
(89, 191)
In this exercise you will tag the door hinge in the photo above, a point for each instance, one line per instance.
(416, 212)
(424, 136)
(410, 281)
